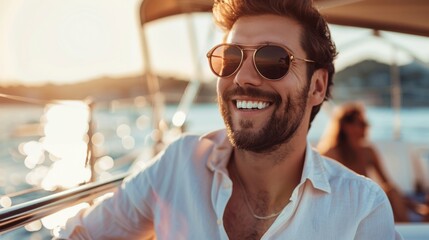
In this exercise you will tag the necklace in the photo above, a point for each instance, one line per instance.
(243, 191)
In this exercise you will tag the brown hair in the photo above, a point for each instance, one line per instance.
(315, 40)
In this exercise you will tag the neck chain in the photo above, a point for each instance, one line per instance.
(273, 215)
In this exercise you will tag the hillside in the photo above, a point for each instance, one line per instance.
(103, 89)
(367, 81)
(370, 81)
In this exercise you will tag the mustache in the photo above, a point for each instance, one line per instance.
(251, 92)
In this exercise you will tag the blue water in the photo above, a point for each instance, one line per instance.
(414, 122)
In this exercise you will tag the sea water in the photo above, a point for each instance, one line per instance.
(413, 122)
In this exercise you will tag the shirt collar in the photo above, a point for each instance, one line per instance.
(222, 150)
(313, 170)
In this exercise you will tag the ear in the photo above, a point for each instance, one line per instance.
(318, 86)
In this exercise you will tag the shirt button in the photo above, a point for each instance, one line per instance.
(226, 185)
(219, 221)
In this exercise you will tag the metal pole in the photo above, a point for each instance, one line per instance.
(153, 85)
(396, 96)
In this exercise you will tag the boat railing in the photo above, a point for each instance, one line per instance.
(18, 215)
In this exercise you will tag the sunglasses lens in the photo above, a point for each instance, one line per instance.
(272, 62)
(225, 60)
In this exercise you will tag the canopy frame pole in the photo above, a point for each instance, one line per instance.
(152, 81)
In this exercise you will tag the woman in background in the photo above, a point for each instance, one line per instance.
(346, 141)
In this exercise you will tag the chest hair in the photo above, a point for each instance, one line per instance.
(240, 224)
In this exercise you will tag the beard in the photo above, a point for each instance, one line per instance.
(279, 129)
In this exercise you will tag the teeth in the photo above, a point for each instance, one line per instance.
(251, 104)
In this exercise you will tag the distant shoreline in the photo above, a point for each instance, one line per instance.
(367, 81)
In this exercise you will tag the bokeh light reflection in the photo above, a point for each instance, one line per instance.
(33, 226)
(103, 164)
(128, 142)
(64, 142)
(123, 130)
(5, 201)
(143, 122)
(66, 173)
(59, 218)
(97, 139)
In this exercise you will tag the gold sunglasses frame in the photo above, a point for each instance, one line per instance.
(254, 48)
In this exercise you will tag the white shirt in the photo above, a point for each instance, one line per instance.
(183, 193)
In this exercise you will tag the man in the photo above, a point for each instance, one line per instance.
(259, 178)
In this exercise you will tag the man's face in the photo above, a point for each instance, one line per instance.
(261, 114)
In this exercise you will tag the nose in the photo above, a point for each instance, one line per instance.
(247, 74)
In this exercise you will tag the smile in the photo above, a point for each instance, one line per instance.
(241, 104)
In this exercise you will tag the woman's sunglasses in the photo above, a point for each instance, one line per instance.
(271, 61)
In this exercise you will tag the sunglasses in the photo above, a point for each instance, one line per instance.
(271, 61)
(360, 123)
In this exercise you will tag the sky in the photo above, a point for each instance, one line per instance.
(69, 41)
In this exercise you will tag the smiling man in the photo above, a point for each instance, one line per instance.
(259, 178)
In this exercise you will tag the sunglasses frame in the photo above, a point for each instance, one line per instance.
(255, 49)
